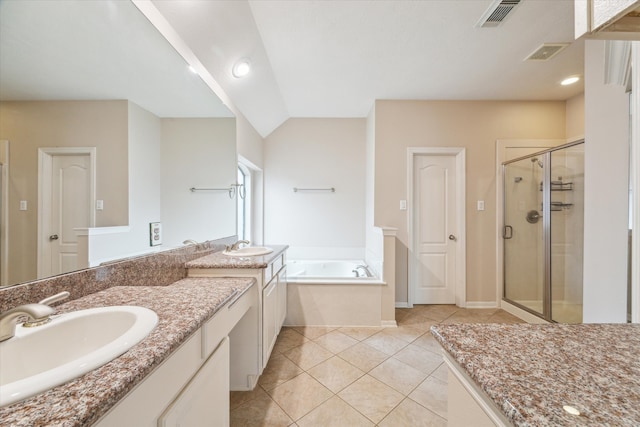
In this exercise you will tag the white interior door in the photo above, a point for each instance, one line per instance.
(70, 200)
(435, 229)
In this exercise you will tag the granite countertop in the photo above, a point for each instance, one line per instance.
(218, 260)
(532, 371)
(182, 308)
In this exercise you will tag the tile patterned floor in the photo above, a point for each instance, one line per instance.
(388, 377)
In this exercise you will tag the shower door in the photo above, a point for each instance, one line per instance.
(566, 236)
(523, 233)
(543, 232)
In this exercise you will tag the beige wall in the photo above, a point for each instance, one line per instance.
(474, 125)
(31, 125)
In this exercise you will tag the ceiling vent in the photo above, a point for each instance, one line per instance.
(546, 51)
(497, 13)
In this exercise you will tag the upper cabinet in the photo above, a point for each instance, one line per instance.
(610, 19)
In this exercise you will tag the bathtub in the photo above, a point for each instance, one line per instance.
(328, 271)
(328, 293)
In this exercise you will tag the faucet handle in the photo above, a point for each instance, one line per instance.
(55, 298)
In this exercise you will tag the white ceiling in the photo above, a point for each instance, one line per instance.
(334, 58)
(94, 50)
(324, 58)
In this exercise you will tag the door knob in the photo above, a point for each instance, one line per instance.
(452, 237)
(53, 237)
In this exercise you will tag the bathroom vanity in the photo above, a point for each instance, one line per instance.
(199, 370)
(269, 272)
(163, 379)
(215, 332)
(542, 375)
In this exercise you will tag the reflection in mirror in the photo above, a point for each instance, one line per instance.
(103, 130)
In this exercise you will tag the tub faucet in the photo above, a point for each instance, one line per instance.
(237, 244)
(367, 272)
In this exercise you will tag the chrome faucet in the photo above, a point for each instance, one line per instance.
(367, 272)
(35, 314)
(237, 244)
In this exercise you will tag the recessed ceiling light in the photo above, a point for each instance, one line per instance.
(241, 68)
(570, 80)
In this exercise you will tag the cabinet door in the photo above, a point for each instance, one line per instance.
(269, 313)
(282, 298)
(205, 400)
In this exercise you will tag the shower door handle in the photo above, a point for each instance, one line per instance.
(507, 232)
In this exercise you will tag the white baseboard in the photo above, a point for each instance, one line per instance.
(482, 304)
(522, 314)
(388, 324)
(469, 304)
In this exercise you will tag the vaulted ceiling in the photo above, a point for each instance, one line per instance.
(309, 58)
(334, 58)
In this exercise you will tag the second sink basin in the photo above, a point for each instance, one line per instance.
(249, 251)
(72, 344)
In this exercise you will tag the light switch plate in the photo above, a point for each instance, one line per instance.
(155, 233)
(99, 205)
(480, 205)
(23, 205)
(403, 205)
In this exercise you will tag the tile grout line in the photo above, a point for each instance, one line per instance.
(465, 317)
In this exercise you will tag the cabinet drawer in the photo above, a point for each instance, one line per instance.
(276, 265)
(272, 269)
(267, 275)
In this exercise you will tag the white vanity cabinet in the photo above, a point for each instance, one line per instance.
(282, 297)
(205, 400)
(272, 286)
(269, 318)
(190, 387)
(274, 303)
(467, 404)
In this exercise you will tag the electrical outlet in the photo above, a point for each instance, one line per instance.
(23, 205)
(155, 233)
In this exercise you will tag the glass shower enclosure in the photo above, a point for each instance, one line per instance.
(543, 232)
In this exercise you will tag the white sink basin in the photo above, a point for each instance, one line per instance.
(249, 251)
(72, 344)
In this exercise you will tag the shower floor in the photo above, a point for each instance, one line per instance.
(562, 311)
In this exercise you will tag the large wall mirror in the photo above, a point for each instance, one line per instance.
(104, 131)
